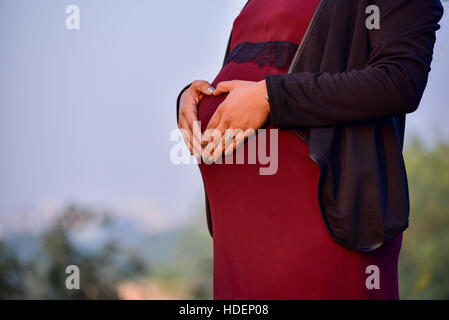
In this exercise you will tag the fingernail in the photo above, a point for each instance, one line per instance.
(197, 157)
(196, 151)
(206, 158)
(211, 89)
(211, 159)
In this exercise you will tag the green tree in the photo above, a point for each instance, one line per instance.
(424, 262)
(11, 273)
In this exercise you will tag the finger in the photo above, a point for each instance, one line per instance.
(226, 142)
(197, 137)
(217, 152)
(194, 146)
(187, 124)
(203, 87)
(187, 130)
(223, 87)
(186, 135)
(207, 152)
(217, 135)
(239, 139)
(180, 119)
(195, 129)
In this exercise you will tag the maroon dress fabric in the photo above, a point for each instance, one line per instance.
(269, 238)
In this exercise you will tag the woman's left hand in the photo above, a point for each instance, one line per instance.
(244, 108)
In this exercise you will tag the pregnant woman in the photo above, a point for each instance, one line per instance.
(335, 78)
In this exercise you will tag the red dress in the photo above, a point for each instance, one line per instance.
(269, 238)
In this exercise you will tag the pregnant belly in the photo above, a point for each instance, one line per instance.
(207, 107)
(235, 190)
(247, 71)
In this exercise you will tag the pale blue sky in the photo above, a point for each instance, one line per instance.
(86, 115)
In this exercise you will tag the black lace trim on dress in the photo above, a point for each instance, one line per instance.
(278, 53)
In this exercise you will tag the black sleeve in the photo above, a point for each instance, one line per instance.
(392, 82)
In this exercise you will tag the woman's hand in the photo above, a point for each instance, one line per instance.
(244, 108)
(188, 114)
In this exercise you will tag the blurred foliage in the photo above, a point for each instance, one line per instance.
(11, 274)
(193, 259)
(424, 261)
(43, 276)
(105, 266)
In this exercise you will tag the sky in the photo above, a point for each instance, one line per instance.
(86, 115)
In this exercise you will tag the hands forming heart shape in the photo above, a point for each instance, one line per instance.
(244, 111)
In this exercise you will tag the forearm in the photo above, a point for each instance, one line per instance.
(323, 99)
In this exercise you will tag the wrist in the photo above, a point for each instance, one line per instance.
(263, 89)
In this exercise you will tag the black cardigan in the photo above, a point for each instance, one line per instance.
(346, 95)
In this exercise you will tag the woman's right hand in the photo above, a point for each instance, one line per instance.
(188, 114)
